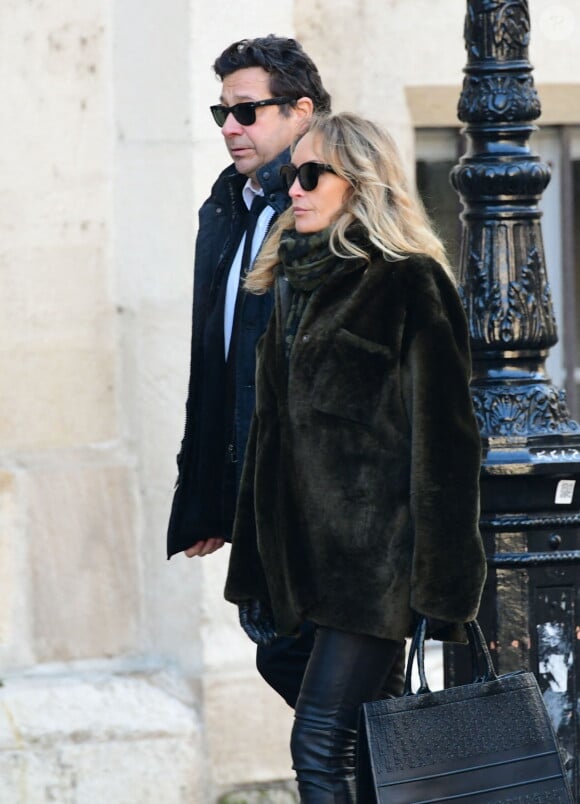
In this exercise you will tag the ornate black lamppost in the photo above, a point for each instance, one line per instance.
(530, 516)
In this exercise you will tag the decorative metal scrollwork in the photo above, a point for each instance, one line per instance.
(530, 313)
(497, 98)
(497, 29)
(506, 523)
(523, 319)
(522, 411)
(504, 285)
(477, 182)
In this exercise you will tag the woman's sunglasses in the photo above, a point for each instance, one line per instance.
(308, 174)
(244, 113)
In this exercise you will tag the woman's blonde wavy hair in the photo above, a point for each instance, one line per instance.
(381, 200)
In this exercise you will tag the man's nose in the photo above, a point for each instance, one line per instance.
(231, 126)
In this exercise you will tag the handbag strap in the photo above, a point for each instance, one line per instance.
(478, 648)
(417, 649)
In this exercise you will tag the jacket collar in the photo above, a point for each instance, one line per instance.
(269, 175)
(269, 179)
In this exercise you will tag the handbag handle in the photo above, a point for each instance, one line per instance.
(417, 649)
(478, 648)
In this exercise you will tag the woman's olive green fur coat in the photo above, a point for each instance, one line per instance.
(359, 496)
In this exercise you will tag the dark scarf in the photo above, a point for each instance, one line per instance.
(306, 261)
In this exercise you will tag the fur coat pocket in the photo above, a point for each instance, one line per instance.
(350, 382)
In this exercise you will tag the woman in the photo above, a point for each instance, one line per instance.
(359, 498)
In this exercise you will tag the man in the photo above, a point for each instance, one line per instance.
(270, 89)
(227, 322)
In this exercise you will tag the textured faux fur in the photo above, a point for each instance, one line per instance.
(359, 498)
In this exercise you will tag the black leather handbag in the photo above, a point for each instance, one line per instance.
(488, 742)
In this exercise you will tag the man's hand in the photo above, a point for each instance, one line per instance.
(204, 548)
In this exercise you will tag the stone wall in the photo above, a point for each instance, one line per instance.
(126, 678)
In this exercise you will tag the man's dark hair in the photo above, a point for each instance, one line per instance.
(292, 73)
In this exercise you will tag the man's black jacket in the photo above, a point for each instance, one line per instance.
(197, 502)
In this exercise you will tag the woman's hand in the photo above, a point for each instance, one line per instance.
(257, 621)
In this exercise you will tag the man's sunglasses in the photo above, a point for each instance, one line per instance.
(308, 174)
(244, 113)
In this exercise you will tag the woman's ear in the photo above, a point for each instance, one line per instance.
(304, 109)
(347, 194)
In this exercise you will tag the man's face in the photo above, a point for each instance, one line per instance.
(253, 146)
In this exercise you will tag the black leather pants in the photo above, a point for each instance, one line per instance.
(283, 664)
(344, 671)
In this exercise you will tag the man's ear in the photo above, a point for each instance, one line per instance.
(304, 109)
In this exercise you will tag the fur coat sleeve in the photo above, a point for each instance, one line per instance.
(445, 457)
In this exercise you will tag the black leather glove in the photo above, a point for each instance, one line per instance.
(436, 629)
(257, 621)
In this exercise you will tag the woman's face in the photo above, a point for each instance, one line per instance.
(314, 210)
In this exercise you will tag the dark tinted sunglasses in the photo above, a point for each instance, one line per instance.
(308, 174)
(244, 113)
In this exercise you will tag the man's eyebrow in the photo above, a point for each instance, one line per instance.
(240, 99)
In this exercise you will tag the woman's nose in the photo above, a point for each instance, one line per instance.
(295, 188)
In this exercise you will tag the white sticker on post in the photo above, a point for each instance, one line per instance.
(565, 492)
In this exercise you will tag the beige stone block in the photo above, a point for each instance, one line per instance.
(57, 396)
(8, 575)
(33, 778)
(284, 793)
(142, 772)
(55, 57)
(57, 335)
(248, 730)
(226, 648)
(173, 594)
(15, 643)
(56, 292)
(163, 336)
(149, 106)
(56, 90)
(98, 738)
(96, 701)
(83, 542)
(154, 224)
(55, 203)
